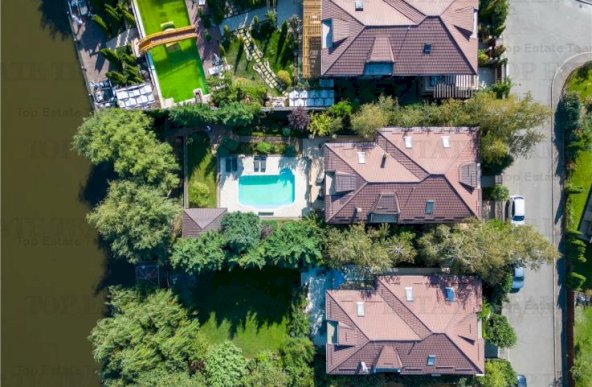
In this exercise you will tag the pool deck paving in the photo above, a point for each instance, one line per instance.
(228, 185)
(206, 49)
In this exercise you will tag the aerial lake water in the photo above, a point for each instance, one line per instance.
(52, 268)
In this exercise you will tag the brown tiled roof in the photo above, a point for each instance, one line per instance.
(199, 220)
(389, 177)
(393, 333)
(396, 31)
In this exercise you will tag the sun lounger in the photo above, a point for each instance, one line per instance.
(263, 164)
(256, 164)
(228, 166)
(234, 164)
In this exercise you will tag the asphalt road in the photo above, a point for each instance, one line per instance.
(541, 36)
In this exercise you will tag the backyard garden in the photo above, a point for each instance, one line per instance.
(178, 67)
(201, 166)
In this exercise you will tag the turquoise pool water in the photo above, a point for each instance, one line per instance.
(266, 191)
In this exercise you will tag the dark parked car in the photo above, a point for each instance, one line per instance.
(518, 279)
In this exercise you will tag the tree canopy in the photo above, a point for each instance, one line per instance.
(242, 230)
(500, 332)
(294, 244)
(193, 255)
(373, 250)
(225, 366)
(485, 248)
(122, 138)
(265, 371)
(145, 334)
(136, 221)
(498, 373)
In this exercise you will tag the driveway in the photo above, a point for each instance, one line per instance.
(541, 35)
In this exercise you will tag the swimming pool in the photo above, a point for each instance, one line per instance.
(266, 191)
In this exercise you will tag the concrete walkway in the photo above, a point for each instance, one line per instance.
(538, 43)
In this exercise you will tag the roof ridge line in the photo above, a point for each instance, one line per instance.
(405, 155)
(354, 324)
(463, 352)
(353, 195)
(405, 306)
(445, 24)
(351, 41)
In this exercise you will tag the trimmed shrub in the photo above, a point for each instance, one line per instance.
(573, 189)
(498, 193)
(264, 148)
(299, 119)
(199, 194)
(285, 77)
(499, 331)
(575, 281)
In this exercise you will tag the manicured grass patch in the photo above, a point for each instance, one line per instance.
(581, 176)
(583, 343)
(202, 164)
(179, 71)
(248, 307)
(581, 81)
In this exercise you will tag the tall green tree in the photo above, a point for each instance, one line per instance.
(500, 332)
(225, 366)
(265, 371)
(136, 221)
(485, 248)
(294, 244)
(145, 333)
(498, 373)
(297, 355)
(242, 230)
(372, 250)
(123, 139)
(194, 255)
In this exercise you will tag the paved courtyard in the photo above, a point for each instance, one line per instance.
(228, 195)
(541, 35)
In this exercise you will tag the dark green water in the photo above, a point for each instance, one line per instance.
(51, 266)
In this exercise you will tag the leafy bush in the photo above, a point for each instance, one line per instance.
(573, 189)
(286, 132)
(225, 366)
(575, 281)
(242, 230)
(498, 193)
(297, 355)
(285, 77)
(194, 255)
(199, 194)
(299, 324)
(322, 124)
(498, 373)
(264, 147)
(500, 332)
(192, 115)
(299, 119)
(369, 120)
(265, 371)
(575, 249)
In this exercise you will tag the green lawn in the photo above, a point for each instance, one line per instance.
(248, 307)
(202, 164)
(583, 342)
(581, 82)
(179, 72)
(276, 49)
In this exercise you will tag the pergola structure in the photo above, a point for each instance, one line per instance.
(311, 38)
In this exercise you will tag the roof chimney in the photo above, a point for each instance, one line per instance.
(359, 5)
(360, 308)
(409, 293)
(408, 141)
(383, 162)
